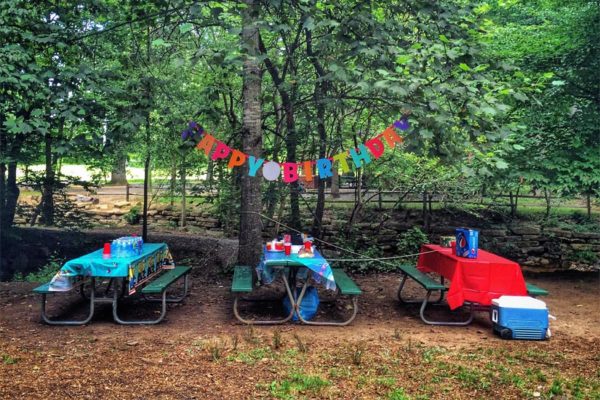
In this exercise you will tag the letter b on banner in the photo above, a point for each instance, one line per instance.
(290, 172)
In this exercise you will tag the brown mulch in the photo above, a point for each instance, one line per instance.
(196, 353)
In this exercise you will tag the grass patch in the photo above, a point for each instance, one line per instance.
(8, 360)
(296, 384)
(253, 356)
(398, 394)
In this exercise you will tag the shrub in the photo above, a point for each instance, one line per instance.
(410, 242)
(133, 216)
(45, 273)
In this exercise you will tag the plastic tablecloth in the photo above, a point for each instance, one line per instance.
(320, 268)
(479, 280)
(93, 264)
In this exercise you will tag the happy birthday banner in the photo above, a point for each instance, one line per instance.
(289, 171)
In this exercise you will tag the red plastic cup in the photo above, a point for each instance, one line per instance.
(453, 247)
(106, 251)
(308, 245)
(288, 248)
(268, 246)
(287, 238)
(278, 246)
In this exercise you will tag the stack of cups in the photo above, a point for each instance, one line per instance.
(287, 244)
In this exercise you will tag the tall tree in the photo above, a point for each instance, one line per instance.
(251, 202)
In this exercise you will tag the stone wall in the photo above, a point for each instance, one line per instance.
(536, 247)
(27, 249)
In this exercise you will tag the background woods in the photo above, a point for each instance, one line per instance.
(502, 99)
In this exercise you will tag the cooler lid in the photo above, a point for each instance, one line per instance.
(519, 302)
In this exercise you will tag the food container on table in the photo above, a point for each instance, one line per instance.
(467, 242)
(446, 241)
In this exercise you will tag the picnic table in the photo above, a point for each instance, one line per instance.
(472, 282)
(149, 273)
(294, 269)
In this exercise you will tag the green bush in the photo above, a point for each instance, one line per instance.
(45, 273)
(410, 243)
(351, 243)
(133, 216)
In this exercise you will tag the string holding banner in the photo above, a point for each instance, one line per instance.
(291, 171)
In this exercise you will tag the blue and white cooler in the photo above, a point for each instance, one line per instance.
(520, 317)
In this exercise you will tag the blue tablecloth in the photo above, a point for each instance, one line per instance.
(320, 268)
(92, 264)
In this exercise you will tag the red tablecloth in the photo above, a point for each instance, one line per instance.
(475, 280)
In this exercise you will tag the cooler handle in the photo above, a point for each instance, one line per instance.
(495, 316)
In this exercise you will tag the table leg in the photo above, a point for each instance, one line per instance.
(115, 304)
(403, 300)
(325, 323)
(291, 297)
(448, 323)
(49, 321)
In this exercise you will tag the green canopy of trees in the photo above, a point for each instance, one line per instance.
(500, 93)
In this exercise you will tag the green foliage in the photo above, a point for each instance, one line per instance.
(296, 384)
(45, 273)
(583, 256)
(483, 83)
(355, 243)
(398, 394)
(8, 360)
(133, 216)
(410, 243)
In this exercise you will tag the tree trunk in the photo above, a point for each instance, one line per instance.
(118, 175)
(424, 209)
(588, 203)
(146, 180)
(183, 203)
(320, 91)
(148, 95)
(335, 183)
(250, 239)
(3, 208)
(48, 187)
(548, 199)
(291, 143)
(173, 181)
(11, 195)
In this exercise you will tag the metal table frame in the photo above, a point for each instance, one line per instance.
(113, 300)
(473, 307)
(289, 272)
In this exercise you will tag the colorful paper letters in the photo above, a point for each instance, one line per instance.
(292, 171)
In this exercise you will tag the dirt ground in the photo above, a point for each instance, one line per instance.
(201, 352)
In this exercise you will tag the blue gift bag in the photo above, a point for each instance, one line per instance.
(309, 305)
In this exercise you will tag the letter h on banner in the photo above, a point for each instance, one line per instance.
(362, 156)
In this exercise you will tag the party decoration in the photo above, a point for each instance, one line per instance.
(341, 160)
(307, 169)
(292, 171)
(375, 146)
(237, 159)
(254, 164)
(362, 156)
(221, 151)
(271, 170)
(206, 143)
(324, 167)
(402, 124)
